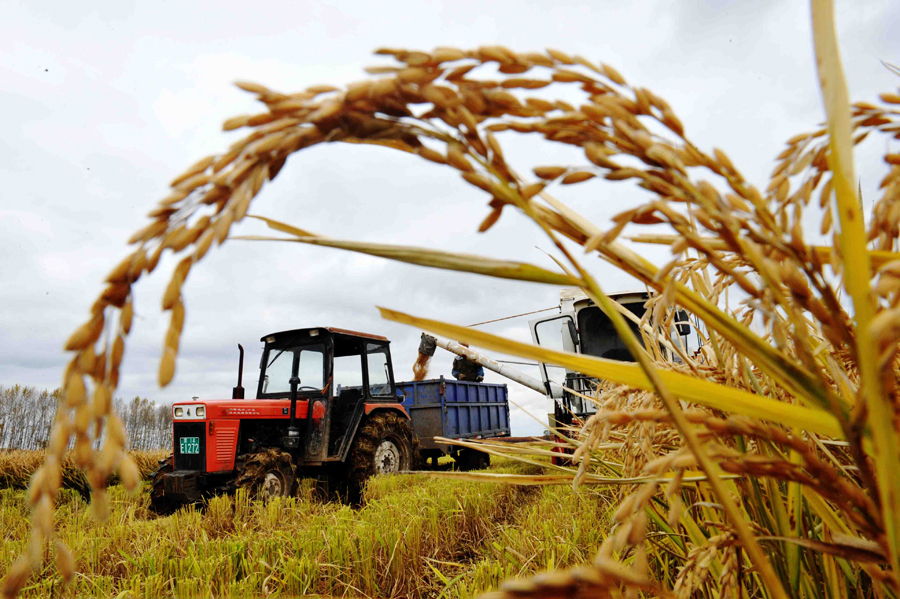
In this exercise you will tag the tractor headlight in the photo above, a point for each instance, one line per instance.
(190, 412)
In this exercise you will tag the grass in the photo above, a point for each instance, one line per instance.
(416, 536)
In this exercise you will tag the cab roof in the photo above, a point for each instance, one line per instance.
(332, 330)
(576, 294)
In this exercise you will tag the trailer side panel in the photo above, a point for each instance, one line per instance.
(456, 410)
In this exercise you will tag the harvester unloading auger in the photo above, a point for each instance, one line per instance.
(429, 342)
(549, 388)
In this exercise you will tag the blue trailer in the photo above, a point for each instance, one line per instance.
(459, 410)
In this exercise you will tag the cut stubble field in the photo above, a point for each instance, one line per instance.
(416, 536)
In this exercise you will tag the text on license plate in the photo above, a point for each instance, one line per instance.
(190, 445)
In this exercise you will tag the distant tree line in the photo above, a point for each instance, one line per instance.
(149, 424)
(26, 416)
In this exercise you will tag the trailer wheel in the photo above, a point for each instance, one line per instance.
(471, 459)
(385, 444)
(159, 503)
(267, 474)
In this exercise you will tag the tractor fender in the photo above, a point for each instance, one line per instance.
(398, 407)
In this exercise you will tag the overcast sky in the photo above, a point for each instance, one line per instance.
(104, 102)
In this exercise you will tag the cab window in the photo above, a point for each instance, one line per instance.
(378, 368)
(281, 364)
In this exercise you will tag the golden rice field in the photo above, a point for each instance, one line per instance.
(17, 467)
(416, 536)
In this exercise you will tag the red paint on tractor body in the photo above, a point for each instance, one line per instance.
(247, 408)
(221, 444)
(223, 421)
(370, 407)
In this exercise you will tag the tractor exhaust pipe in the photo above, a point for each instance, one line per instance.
(292, 441)
(238, 392)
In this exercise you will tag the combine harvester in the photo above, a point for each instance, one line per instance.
(579, 327)
(582, 327)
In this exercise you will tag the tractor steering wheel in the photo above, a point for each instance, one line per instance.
(301, 388)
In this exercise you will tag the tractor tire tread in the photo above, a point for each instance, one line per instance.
(252, 473)
(159, 503)
(361, 461)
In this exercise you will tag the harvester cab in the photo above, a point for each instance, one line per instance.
(326, 403)
(582, 327)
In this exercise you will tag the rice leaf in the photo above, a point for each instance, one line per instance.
(561, 479)
(503, 269)
(864, 551)
(856, 279)
(283, 227)
(694, 390)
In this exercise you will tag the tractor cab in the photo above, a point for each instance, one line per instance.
(341, 374)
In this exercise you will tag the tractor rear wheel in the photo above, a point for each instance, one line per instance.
(267, 474)
(159, 503)
(385, 444)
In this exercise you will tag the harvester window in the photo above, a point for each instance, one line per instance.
(552, 334)
(379, 379)
(599, 337)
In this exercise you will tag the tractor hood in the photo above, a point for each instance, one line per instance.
(213, 409)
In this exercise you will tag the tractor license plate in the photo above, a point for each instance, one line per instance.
(190, 445)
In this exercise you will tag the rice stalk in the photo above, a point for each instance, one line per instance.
(694, 390)
(852, 239)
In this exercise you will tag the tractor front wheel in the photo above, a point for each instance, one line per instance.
(385, 444)
(268, 474)
(159, 503)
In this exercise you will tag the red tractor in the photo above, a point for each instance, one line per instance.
(327, 406)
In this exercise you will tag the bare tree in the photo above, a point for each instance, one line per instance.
(26, 415)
